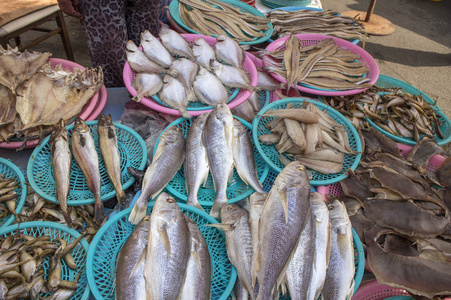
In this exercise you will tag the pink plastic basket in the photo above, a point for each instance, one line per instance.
(311, 39)
(375, 291)
(248, 66)
(89, 110)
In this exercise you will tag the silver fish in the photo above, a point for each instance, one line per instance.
(175, 43)
(282, 219)
(139, 62)
(110, 154)
(203, 53)
(243, 157)
(209, 89)
(130, 282)
(320, 214)
(61, 162)
(339, 282)
(229, 51)
(154, 49)
(244, 111)
(85, 154)
(167, 160)
(168, 250)
(218, 140)
(146, 85)
(174, 95)
(239, 292)
(257, 200)
(196, 163)
(188, 71)
(231, 76)
(197, 284)
(266, 82)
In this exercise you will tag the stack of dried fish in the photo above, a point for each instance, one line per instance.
(309, 135)
(213, 17)
(197, 74)
(403, 220)
(34, 95)
(8, 195)
(165, 257)
(288, 239)
(311, 21)
(25, 268)
(398, 113)
(323, 65)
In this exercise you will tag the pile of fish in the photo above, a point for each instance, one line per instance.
(309, 135)
(165, 257)
(8, 195)
(311, 21)
(84, 150)
(180, 73)
(32, 266)
(401, 114)
(212, 17)
(34, 95)
(323, 65)
(215, 143)
(402, 219)
(290, 239)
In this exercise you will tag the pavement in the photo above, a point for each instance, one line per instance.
(418, 52)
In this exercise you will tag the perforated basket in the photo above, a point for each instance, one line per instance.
(112, 236)
(132, 152)
(55, 230)
(88, 110)
(194, 108)
(313, 39)
(271, 155)
(445, 127)
(375, 291)
(10, 170)
(237, 189)
(174, 11)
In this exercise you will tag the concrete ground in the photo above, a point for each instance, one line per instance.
(418, 52)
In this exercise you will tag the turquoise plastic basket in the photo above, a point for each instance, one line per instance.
(112, 236)
(10, 170)
(132, 151)
(55, 230)
(271, 155)
(399, 298)
(174, 11)
(390, 82)
(236, 190)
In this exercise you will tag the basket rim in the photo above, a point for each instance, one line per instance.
(373, 68)
(53, 225)
(174, 12)
(105, 197)
(353, 131)
(361, 264)
(23, 185)
(94, 243)
(372, 286)
(201, 202)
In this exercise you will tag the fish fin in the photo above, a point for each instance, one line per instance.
(284, 201)
(184, 113)
(222, 226)
(140, 260)
(351, 290)
(120, 195)
(138, 212)
(197, 261)
(99, 211)
(164, 238)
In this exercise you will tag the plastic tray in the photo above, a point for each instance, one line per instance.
(111, 237)
(55, 230)
(132, 151)
(10, 170)
(248, 66)
(390, 82)
(312, 39)
(376, 291)
(88, 112)
(271, 155)
(236, 189)
(296, 8)
(174, 10)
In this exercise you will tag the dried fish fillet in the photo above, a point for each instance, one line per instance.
(7, 105)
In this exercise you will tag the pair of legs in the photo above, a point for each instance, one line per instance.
(109, 24)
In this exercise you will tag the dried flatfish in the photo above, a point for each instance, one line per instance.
(7, 105)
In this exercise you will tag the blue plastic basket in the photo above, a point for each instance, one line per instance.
(112, 236)
(55, 230)
(132, 151)
(271, 155)
(10, 170)
(174, 11)
(385, 81)
(236, 190)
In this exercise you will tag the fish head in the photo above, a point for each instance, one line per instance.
(238, 128)
(131, 47)
(171, 135)
(80, 125)
(222, 112)
(215, 65)
(60, 130)
(199, 42)
(231, 214)
(200, 120)
(221, 38)
(164, 30)
(166, 208)
(105, 120)
(146, 36)
(339, 219)
(258, 198)
(167, 78)
(295, 173)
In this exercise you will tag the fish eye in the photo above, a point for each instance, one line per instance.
(229, 207)
(170, 200)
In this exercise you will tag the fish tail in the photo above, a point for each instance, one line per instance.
(191, 96)
(137, 98)
(192, 200)
(98, 211)
(138, 212)
(66, 216)
(220, 201)
(184, 113)
(120, 195)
